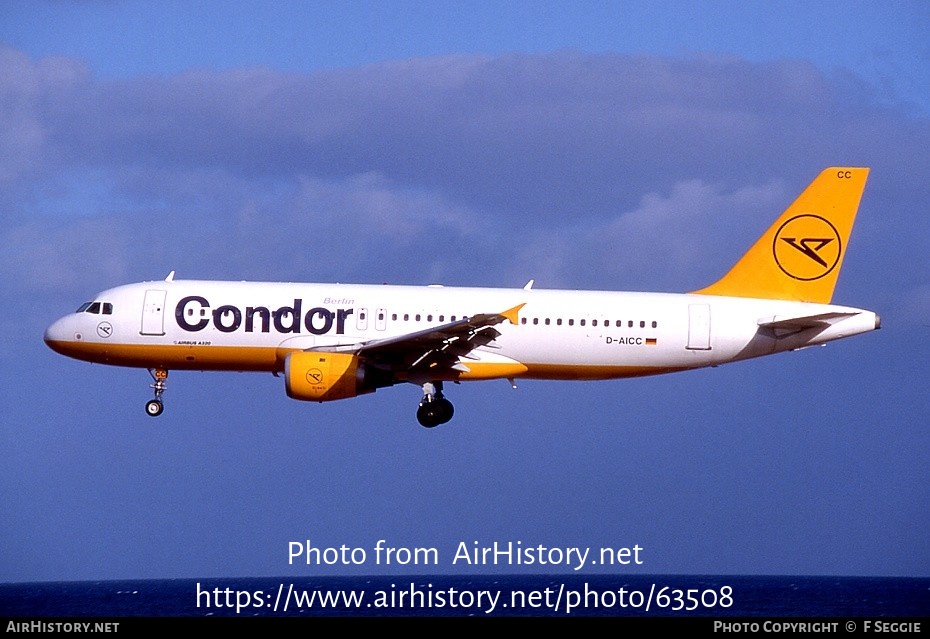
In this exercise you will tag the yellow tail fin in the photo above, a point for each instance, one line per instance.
(799, 257)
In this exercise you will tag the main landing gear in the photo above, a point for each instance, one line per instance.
(154, 407)
(434, 408)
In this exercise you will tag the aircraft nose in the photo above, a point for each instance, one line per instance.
(54, 332)
(60, 332)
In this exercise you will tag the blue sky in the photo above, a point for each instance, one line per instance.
(625, 146)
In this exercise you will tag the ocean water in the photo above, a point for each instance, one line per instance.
(683, 596)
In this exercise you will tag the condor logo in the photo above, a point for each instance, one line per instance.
(807, 247)
(194, 313)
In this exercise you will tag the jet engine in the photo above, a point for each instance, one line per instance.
(319, 376)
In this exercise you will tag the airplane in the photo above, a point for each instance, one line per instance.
(337, 341)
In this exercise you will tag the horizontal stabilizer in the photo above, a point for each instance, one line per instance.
(821, 320)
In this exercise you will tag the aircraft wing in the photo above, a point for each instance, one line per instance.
(441, 347)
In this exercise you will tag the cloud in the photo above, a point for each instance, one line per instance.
(668, 242)
(580, 170)
(26, 89)
(44, 256)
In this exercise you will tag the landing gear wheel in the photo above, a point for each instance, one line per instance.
(433, 413)
(154, 407)
(427, 416)
(434, 408)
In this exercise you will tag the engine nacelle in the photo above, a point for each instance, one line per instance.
(321, 377)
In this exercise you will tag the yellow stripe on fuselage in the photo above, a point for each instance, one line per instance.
(593, 372)
(271, 359)
(175, 357)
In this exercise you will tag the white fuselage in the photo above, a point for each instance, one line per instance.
(559, 334)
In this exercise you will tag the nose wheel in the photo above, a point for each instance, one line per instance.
(154, 407)
(434, 409)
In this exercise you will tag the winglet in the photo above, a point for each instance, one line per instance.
(511, 314)
(799, 257)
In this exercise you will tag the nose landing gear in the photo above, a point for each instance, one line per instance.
(154, 407)
(434, 409)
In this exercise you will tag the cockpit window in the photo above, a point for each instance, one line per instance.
(96, 308)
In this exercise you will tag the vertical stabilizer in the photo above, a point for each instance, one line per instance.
(800, 256)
